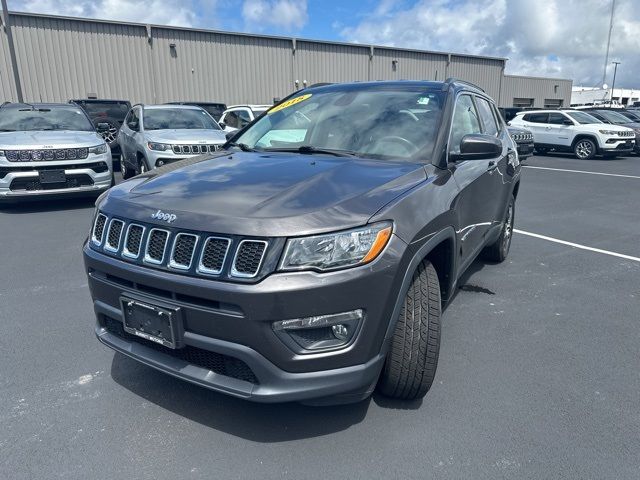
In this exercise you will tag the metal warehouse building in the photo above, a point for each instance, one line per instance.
(58, 58)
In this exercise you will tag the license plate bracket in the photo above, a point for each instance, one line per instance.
(158, 324)
(53, 176)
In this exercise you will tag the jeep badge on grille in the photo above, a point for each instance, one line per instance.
(167, 217)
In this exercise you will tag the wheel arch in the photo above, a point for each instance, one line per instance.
(582, 136)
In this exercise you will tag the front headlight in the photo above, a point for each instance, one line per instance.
(608, 132)
(160, 147)
(98, 149)
(336, 250)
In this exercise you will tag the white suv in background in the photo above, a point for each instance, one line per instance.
(238, 116)
(575, 131)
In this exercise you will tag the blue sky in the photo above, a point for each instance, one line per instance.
(559, 38)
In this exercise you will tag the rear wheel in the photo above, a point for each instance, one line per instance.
(585, 149)
(412, 359)
(498, 250)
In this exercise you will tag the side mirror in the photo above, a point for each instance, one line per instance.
(222, 125)
(566, 121)
(477, 147)
(102, 127)
(229, 135)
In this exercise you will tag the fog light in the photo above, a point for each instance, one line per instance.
(340, 331)
(159, 163)
(320, 332)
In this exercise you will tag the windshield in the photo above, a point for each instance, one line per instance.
(104, 110)
(373, 122)
(582, 117)
(179, 119)
(614, 117)
(44, 118)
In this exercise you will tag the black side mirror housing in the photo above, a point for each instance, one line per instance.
(102, 127)
(222, 125)
(477, 147)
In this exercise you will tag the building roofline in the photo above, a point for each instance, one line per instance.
(540, 78)
(254, 35)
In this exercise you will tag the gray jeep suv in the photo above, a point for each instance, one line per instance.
(311, 258)
(156, 135)
(51, 150)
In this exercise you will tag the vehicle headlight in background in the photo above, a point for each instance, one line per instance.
(98, 149)
(609, 132)
(336, 250)
(160, 147)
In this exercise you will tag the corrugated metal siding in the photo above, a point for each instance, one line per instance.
(219, 67)
(486, 73)
(319, 62)
(535, 87)
(7, 85)
(62, 59)
(409, 66)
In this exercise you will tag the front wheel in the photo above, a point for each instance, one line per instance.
(127, 171)
(412, 359)
(499, 250)
(142, 165)
(585, 149)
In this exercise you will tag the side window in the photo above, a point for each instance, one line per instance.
(133, 122)
(231, 119)
(557, 118)
(486, 114)
(465, 122)
(536, 117)
(243, 118)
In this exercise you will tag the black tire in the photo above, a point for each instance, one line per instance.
(127, 171)
(499, 250)
(412, 359)
(585, 149)
(143, 167)
(111, 135)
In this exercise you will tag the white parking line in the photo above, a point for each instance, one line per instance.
(577, 245)
(583, 171)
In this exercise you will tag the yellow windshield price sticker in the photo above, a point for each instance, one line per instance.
(289, 103)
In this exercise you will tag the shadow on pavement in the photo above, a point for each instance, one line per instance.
(252, 421)
(47, 205)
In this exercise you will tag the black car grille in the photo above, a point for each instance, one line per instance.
(156, 245)
(47, 155)
(194, 149)
(522, 137)
(33, 184)
(248, 258)
(216, 362)
(195, 253)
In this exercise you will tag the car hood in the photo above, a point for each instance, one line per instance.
(48, 139)
(186, 136)
(270, 195)
(605, 126)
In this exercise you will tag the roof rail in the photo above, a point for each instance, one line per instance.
(452, 80)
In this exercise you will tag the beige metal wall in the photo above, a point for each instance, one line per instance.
(61, 58)
(537, 88)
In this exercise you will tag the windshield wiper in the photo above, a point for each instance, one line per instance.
(242, 146)
(311, 150)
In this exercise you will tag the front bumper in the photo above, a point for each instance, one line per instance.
(236, 320)
(616, 145)
(525, 149)
(19, 181)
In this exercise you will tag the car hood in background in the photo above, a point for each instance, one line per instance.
(186, 136)
(266, 194)
(520, 130)
(37, 140)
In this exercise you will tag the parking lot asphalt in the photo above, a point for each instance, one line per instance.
(539, 371)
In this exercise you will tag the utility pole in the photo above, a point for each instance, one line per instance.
(12, 50)
(613, 85)
(606, 57)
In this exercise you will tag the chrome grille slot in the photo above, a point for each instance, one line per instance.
(156, 246)
(98, 229)
(113, 235)
(248, 259)
(213, 255)
(133, 241)
(184, 246)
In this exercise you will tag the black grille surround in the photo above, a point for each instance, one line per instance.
(186, 252)
(216, 362)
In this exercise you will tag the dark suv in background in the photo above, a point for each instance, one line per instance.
(310, 259)
(111, 112)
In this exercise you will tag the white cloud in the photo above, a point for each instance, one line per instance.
(286, 14)
(164, 12)
(564, 38)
